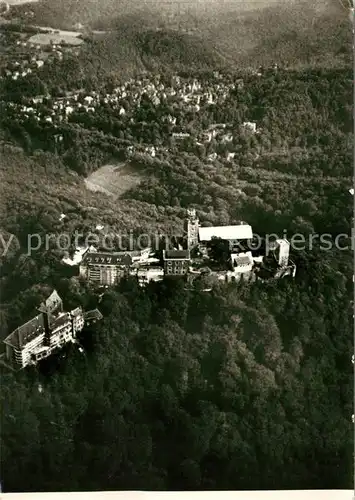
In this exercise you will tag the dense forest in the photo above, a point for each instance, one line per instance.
(245, 387)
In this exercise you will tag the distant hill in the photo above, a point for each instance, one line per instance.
(293, 38)
(172, 48)
(64, 13)
(125, 52)
(203, 35)
(296, 34)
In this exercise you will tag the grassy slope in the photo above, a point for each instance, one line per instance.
(40, 186)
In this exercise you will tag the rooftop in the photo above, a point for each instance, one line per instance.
(238, 232)
(176, 255)
(150, 271)
(76, 312)
(242, 259)
(27, 332)
(94, 314)
(114, 259)
(51, 303)
(60, 320)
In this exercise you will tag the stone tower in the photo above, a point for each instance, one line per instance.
(191, 229)
(282, 252)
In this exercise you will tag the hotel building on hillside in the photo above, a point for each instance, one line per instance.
(42, 335)
(104, 268)
(107, 268)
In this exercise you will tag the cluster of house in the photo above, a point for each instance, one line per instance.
(191, 93)
(25, 55)
(125, 99)
(222, 133)
(46, 333)
(22, 67)
(190, 259)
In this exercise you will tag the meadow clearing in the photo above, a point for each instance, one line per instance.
(113, 180)
(56, 38)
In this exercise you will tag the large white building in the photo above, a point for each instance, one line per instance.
(104, 268)
(231, 233)
(282, 252)
(107, 268)
(195, 234)
(43, 334)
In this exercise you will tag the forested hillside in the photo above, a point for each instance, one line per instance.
(239, 389)
(244, 387)
(180, 389)
(294, 174)
(296, 34)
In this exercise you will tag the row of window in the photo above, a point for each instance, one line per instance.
(42, 355)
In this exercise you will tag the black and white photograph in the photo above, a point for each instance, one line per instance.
(176, 246)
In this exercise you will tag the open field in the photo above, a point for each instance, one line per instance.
(113, 180)
(59, 32)
(47, 38)
(20, 2)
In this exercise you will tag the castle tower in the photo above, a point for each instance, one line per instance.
(51, 307)
(282, 252)
(191, 228)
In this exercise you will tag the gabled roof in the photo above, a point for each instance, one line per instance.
(238, 232)
(51, 303)
(242, 259)
(27, 332)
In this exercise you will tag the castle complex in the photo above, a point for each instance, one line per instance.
(191, 258)
(222, 252)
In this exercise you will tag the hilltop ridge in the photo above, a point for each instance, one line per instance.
(200, 36)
